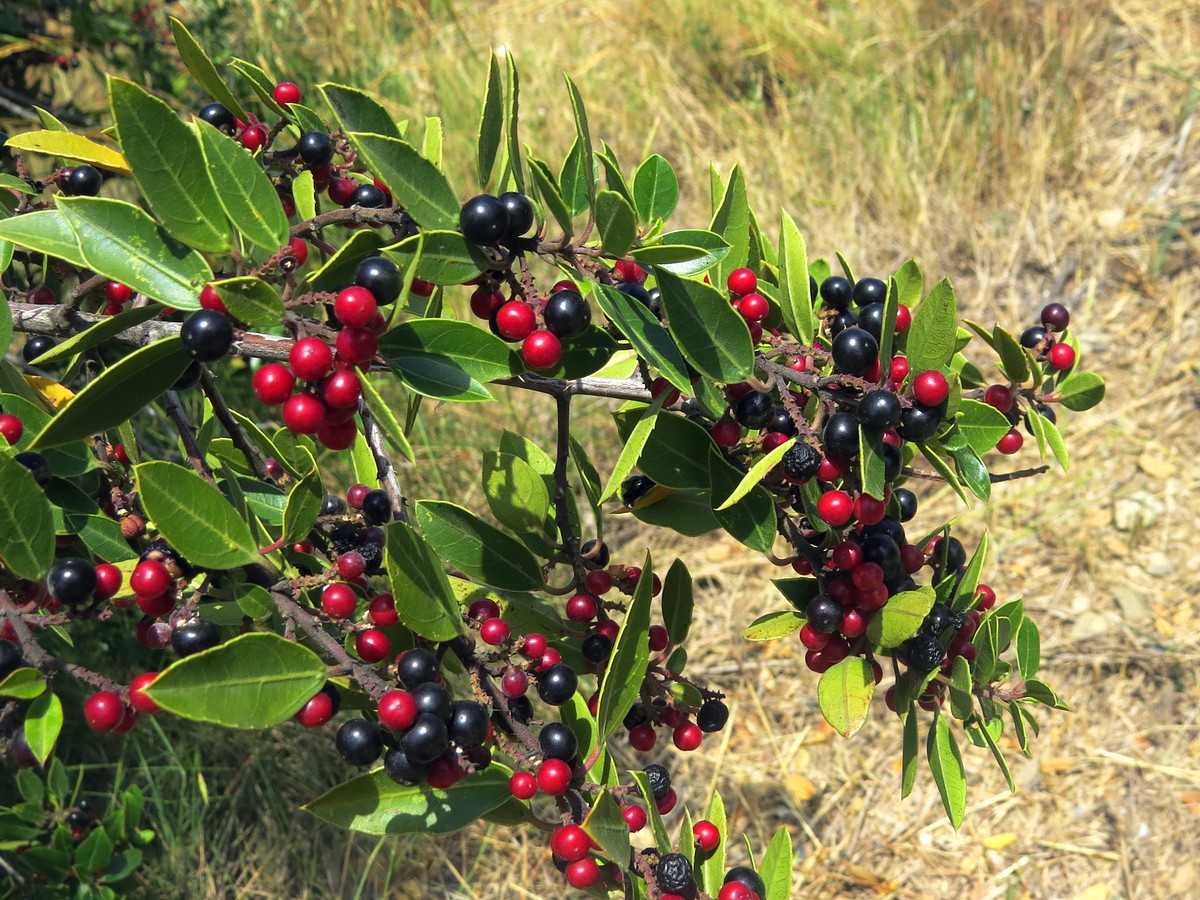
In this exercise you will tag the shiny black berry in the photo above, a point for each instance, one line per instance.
(633, 489)
(636, 716)
(36, 345)
(556, 685)
(416, 667)
(1033, 336)
(207, 335)
(824, 613)
(316, 149)
(841, 322)
(837, 292)
(880, 548)
(907, 501)
(71, 580)
(1055, 317)
(868, 291)
(924, 653)
(712, 716)
(376, 508)
(781, 422)
(801, 461)
(854, 351)
(426, 740)
(195, 636)
(870, 320)
(433, 699)
(483, 220)
(359, 742)
(754, 410)
(468, 724)
(889, 526)
(659, 779)
(368, 196)
(218, 116)
(893, 461)
(674, 874)
(381, 277)
(403, 770)
(520, 214)
(595, 556)
(937, 620)
(567, 314)
(84, 181)
(597, 647)
(919, 423)
(655, 304)
(332, 505)
(879, 410)
(37, 466)
(748, 877)
(953, 552)
(558, 742)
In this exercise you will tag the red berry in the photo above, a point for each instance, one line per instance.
(1062, 356)
(210, 299)
(687, 736)
(903, 318)
(303, 414)
(985, 597)
(835, 508)
(523, 785)
(831, 470)
(156, 607)
(421, 288)
(310, 358)
(627, 269)
(773, 439)
(254, 137)
(813, 639)
(337, 435)
(11, 428)
(735, 890)
(754, 307)
(273, 383)
(351, 564)
(667, 803)
(911, 558)
(338, 600)
(108, 580)
(286, 92)
(847, 555)
(316, 711)
(553, 777)
(342, 389)
(726, 433)
(707, 836)
(1012, 441)
(104, 711)
(137, 698)
(541, 350)
(742, 282)
(149, 578)
(868, 510)
(853, 624)
(643, 737)
(43, 296)
(533, 646)
(372, 645)
(355, 307)
(583, 873)
(494, 631)
(397, 710)
(660, 638)
(867, 576)
(609, 628)
(660, 386)
(550, 658)
(899, 369)
(962, 647)
(999, 396)
(931, 388)
(598, 581)
(444, 772)
(485, 301)
(341, 190)
(635, 817)
(581, 608)
(355, 494)
(515, 320)
(117, 294)
(382, 610)
(570, 843)
(357, 345)
(515, 683)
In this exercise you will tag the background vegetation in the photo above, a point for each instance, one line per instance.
(1033, 150)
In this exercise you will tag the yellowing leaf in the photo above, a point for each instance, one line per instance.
(53, 392)
(1000, 841)
(70, 146)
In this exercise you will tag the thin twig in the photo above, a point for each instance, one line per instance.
(221, 410)
(385, 471)
(187, 434)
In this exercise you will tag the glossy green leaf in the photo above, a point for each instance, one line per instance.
(631, 451)
(303, 506)
(582, 134)
(964, 593)
(250, 201)
(120, 391)
(583, 356)
(901, 618)
(416, 183)
(612, 172)
(712, 868)
(774, 625)
(731, 220)
(516, 493)
(431, 140)
(794, 300)
(101, 535)
(616, 221)
(626, 668)
(655, 189)
(386, 419)
(776, 867)
(304, 195)
(936, 454)
(1012, 357)
(512, 115)
(844, 694)
(491, 123)
(251, 300)
(574, 182)
(677, 602)
(205, 73)
(711, 333)
(482, 551)
(871, 464)
(357, 111)
(757, 472)
(752, 520)
(43, 723)
(946, 765)
(168, 166)
(982, 425)
(891, 307)
(1053, 438)
(22, 684)
(262, 84)
(1029, 648)
(194, 517)
(446, 359)
(910, 757)
(687, 512)
(798, 591)
(551, 195)
(338, 270)
(649, 339)
(962, 702)
(606, 827)
(424, 599)
(1080, 390)
(678, 453)
(686, 252)
(70, 146)
(46, 231)
(95, 335)
(124, 244)
(662, 841)
(930, 339)
(446, 257)
(94, 851)
(26, 523)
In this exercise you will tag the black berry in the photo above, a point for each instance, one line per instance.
(207, 335)
(376, 508)
(10, 658)
(596, 556)
(868, 291)
(433, 699)
(426, 740)
(754, 410)
(190, 377)
(880, 410)
(359, 742)
(712, 716)
(870, 320)
(824, 613)
(556, 685)
(781, 422)
(368, 196)
(403, 770)
(84, 181)
(37, 465)
(520, 214)
(567, 314)
(417, 666)
(837, 292)
(841, 322)
(521, 710)
(674, 874)
(880, 548)
(748, 877)
(841, 436)
(633, 489)
(659, 779)
(919, 423)
(854, 351)
(907, 501)
(36, 345)
(468, 724)
(1055, 317)
(316, 149)
(332, 505)
(381, 277)
(195, 636)
(893, 462)
(924, 653)
(937, 620)
(1033, 336)
(218, 116)
(801, 461)
(597, 648)
(483, 220)
(71, 580)
(558, 742)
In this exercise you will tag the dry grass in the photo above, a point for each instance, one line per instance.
(1035, 151)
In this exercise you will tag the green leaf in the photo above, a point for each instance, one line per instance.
(431, 140)
(445, 359)
(386, 419)
(962, 701)
(678, 452)
(631, 452)
(713, 868)
(982, 425)
(662, 841)
(910, 758)
(626, 668)
(46, 231)
(416, 183)
(936, 454)
(338, 270)
(122, 243)
(119, 392)
(574, 182)
(776, 868)
(168, 166)
(616, 222)
(731, 220)
(844, 694)
(1029, 648)
(972, 471)
(491, 122)
(516, 493)
(655, 189)
(711, 333)
(424, 599)
(1080, 390)
(612, 172)
(101, 535)
(194, 517)
(964, 593)
(752, 520)
(551, 195)
(871, 463)
(6, 322)
(303, 506)
(774, 625)
(798, 591)
(374, 804)
(512, 111)
(606, 827)
(930, 339)
(26, 522)
(643, 330)
(446, 257)
(247, 196)
(43, 722)
(251, 300)
(205, 73)
(304, 195)
(22, 684)
(756, 473)
(583, 136)
(945, 762)
(94, 852)
(1012, 358)
(97, 334)
(584, 355)
(252, 681)
(686, 252)
(357, 111)
(794, 301)
(482, 551)
(687, 512)
(677, 602)
(901, 618)
(262, 84)
(891, 308)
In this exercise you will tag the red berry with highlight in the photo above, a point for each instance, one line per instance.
(104, 711)
(581, 608)
(310, 358)
(523, 785)
(515, 320)
(149, 578)
(1011, 442)
(303, 414)
(570, 843)
(643, 737)
(494, 631)
(273, 383)
(372, 645)
(137, 697)
(286, 92)
(553, 777)
(931, 388)
(355, 307)
(1062, 356)
(541, 350)
(835, 508)
(687, 736)
(338, 600)
(998, 396)
(356, 345)
(11, 428)
(742, 281)
(397, 710)
(583, 874)
(635, 817)
(706, 835)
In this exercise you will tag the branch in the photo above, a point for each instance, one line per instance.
(187, 434)
(386, 472)
(562, 509)
(221, 410)
(39, 658)
(928, 475)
